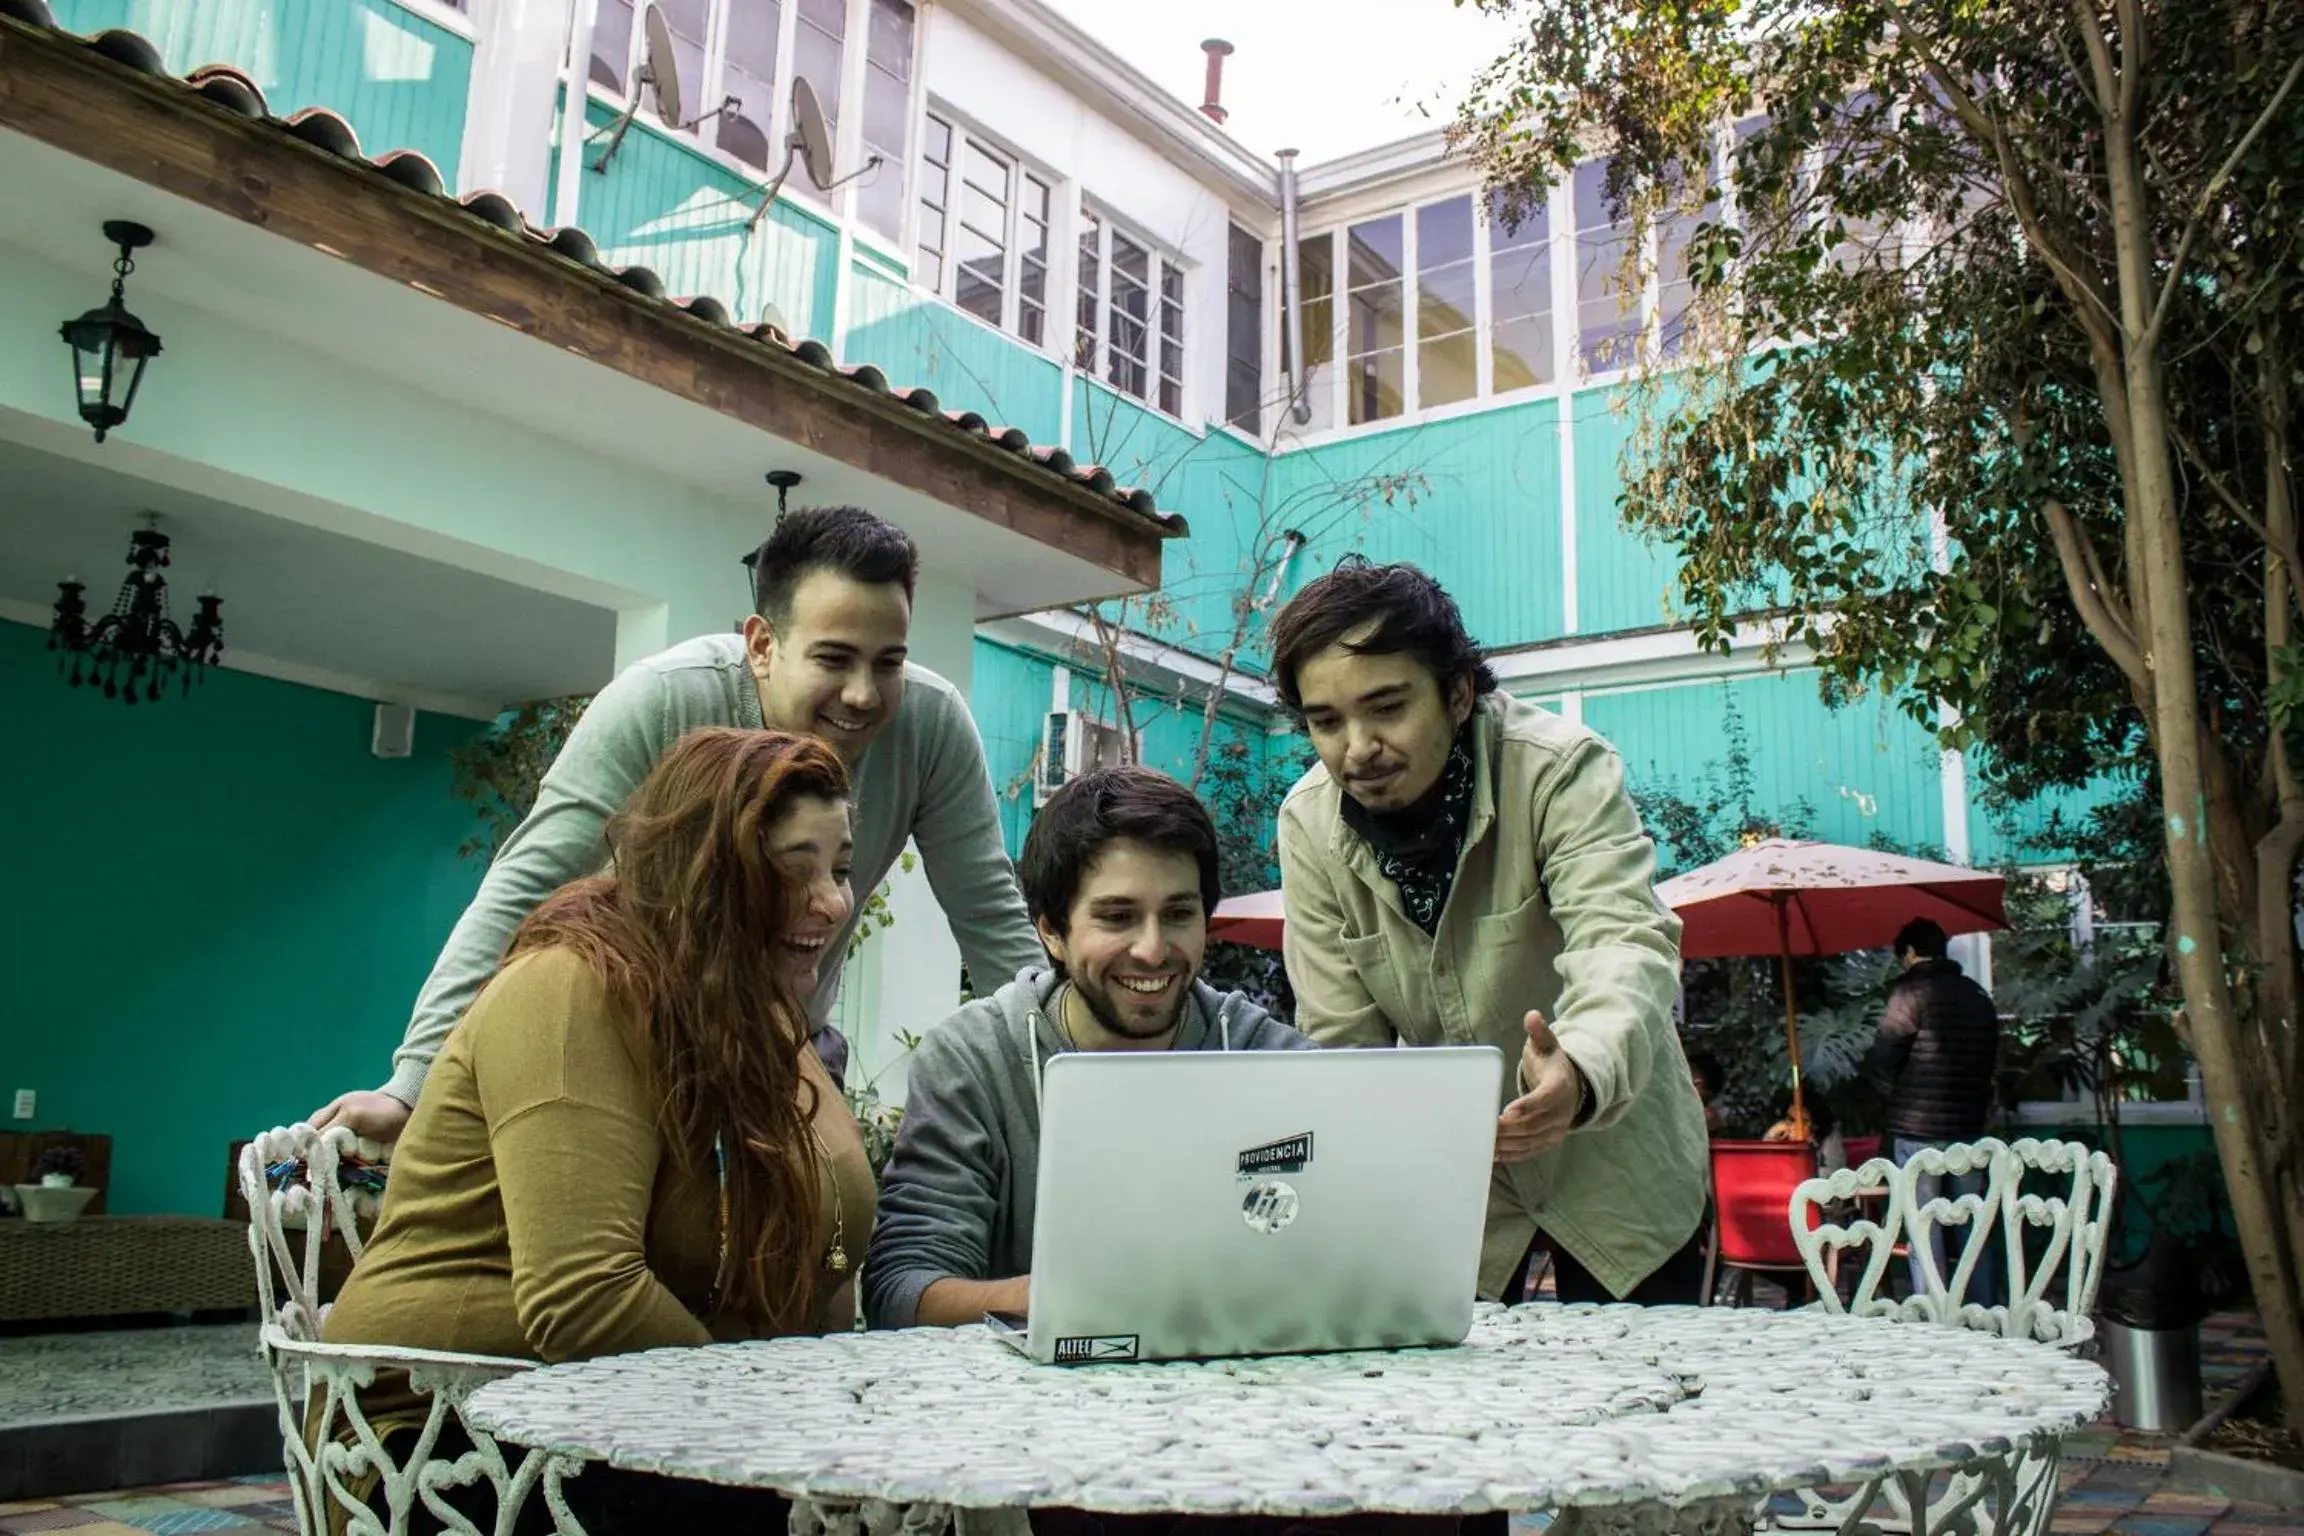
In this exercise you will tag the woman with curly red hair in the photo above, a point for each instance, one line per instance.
(629, 1141)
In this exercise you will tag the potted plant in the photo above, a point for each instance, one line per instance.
(55, 1193)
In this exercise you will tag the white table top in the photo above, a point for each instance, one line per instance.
(1544, 1407)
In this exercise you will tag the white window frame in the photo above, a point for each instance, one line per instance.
(465, 23)
(946, 286)
(1157, 362)
(699, 97)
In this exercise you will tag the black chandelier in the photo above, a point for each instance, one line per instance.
(136, 649)
(109, 345)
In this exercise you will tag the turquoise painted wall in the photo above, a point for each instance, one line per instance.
(1864, 769)
(1476, 501)
(686, 217)
(1009, 697)
(923, 343)
(2017, 835)
(400, 80)
(218, 910)
(1623, 581)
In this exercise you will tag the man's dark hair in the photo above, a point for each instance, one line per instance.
(1072, 830)
(1411, 613)
(849, 540)
(1921, 937)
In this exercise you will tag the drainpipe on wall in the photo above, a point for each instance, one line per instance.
(1291, 310)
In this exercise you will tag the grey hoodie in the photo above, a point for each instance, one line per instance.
(957, 1201)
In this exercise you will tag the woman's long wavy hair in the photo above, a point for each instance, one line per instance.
(683, 930)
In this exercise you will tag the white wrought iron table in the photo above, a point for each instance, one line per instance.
(1623, 1419)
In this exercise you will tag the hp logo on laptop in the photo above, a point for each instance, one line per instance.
(1270, 1205)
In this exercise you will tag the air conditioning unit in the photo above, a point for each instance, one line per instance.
(1072, 744)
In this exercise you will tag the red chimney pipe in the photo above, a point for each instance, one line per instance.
(1216, 48)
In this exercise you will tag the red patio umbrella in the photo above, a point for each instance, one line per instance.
(1254, 920)
(1784, 898)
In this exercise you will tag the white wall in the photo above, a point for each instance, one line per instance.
(991, 90)
(906, 979)
(243, 416)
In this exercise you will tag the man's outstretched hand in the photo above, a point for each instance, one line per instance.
(1540, 1118)
(377, 1116)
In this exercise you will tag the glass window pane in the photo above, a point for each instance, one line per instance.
(1031, 323)
(1373, 319)
(1244, 329)
(1131, 259)
(816, 52)
(880, 198)
(1445, 299)
(984, 212)
(1171, 396)
(748, 74)
(931, 271)
(1532, 228)
(983, 168)
(1090, 300)
(1447, 369)
(931, 228)
(1316, 275)
(936, 141)
(1607, 311)
(888, 37)
(976, 289)
(1035, 198)
(1444, 233)
(1032, 281)
(1375, 251)
(1373, 384)
(1522, 354)
(612, 44)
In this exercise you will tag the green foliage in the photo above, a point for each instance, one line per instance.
(1885, 480)
(877, 1120)
(1243, 797)
(497, 771)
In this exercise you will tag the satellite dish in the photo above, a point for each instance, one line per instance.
(659, 68)
(810, 143)
(811, 135)
(658, 76)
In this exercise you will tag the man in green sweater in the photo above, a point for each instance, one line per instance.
(824, 653)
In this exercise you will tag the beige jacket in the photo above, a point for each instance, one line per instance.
(1553, 908)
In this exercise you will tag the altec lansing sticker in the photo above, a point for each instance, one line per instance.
(1287, 1155)
(1096, 1350)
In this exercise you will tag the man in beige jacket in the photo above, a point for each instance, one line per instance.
(1465, 869)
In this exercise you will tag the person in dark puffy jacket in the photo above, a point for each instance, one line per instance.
(1937, 1042)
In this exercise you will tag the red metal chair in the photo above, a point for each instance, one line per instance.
(1752, 1185)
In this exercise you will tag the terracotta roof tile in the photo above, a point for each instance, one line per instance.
(228, 89)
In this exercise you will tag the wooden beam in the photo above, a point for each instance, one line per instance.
(160, 132)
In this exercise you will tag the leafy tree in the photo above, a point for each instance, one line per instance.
(1988, 385)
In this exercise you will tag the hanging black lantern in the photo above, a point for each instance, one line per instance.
(109, 345)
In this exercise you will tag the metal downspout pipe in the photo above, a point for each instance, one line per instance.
(1291, 293)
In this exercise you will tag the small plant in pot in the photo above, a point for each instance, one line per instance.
(55, 1193)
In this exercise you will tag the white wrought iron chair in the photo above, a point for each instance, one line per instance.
(2048, 1301)
(291, 1179)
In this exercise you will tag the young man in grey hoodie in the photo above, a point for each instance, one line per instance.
(1119, 874)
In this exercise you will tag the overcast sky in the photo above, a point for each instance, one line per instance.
(1327, 77)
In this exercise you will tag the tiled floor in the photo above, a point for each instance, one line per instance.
(2115, 1484)
(248, 1506)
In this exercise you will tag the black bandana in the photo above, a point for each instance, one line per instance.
(1416, 849)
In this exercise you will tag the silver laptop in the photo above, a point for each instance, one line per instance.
(1216, 1203)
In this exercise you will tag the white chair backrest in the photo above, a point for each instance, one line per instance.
(1873, 1234)
(292, 1178)
(2049, 1300)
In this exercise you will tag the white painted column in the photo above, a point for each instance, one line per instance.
(906, 978)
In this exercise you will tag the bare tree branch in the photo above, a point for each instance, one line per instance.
(2110, 89)
(2283, 548)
